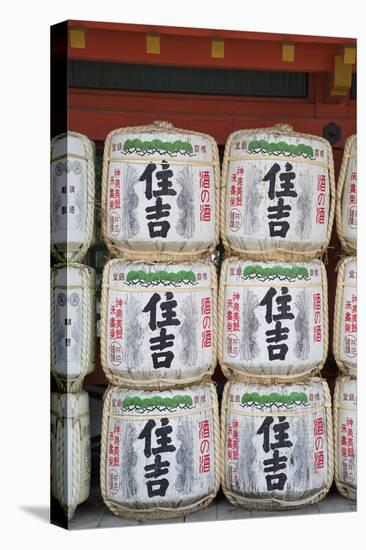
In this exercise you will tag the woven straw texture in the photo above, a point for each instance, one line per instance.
(344, 367)
(158, 512)
(274, 504)
(345, 490)
(275, 253)
(87, 365)
(77, 254)
(153, 383)
(247, 377)
(151, 253)
(69, 495)
(348, 246)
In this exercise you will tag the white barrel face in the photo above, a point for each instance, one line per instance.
(349, 197)
(70, 448)
(70, 200)
(161, 447)
(275, 441)
(277, 192)
(159, 323)
(346, 433)
(73, 289)
(160, 193)
(273, 320)
(348, 325)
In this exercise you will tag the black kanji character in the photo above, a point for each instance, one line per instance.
(276, 481)
(151, 307)
(162, 360)
(277, 352)
(277, 334)
(146, 434)
(147, 177)
(159, 210)
(278, 229)
(271, 177)
(287, 184)
(283, 307)
(264, 429)
(275, 463)
(162, 438)
(162, 341)
(167, 311)
(161, 487)
(164, 182)
(157, 468)
(281, 436)
(279, 210)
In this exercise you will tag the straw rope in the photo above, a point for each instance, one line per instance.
(348, 246)
(344, 367)
(159, 512)
(153, 383)
(239, 373)
(272, 503)
(89, 147)
(69, 498)
(345, 489)
(275, 253)
(120, 249)
(68, 383)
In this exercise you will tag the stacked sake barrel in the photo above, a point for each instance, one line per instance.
(72, 316)
(160, 452)
(276, 422)
(345, 327)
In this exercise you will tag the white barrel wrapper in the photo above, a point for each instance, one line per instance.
(274, 317)
(349, 196)
(72, 324)
(276, 444)
(159, 321)
(72, 195)
(345, 436)
(278, 191)
(159, 449)
(70, 449)
(160, 195)
(345, 317)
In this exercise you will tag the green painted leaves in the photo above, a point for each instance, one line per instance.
(280, 148)
(156, 401)
(160, 277)
(275, 398)
(275, 271)
(158, 146)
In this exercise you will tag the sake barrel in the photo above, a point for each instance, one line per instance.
(72, 195)
(158, 322)
(346, 211)
(345, 436)
(70, 449)
(160, 451)
(273, 319)
(277, 444)
(277, 194)
(72, 324)
(160, 192)
(345, 317)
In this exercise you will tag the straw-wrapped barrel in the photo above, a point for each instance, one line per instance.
(158, 322)
(72, 324)
(160, 451)
(277, 444)
(345, 317)
(160, 192)
(273, 319)
(346, 210)
(278, 194)
(345, 436)
(70, 450)
(72, 195)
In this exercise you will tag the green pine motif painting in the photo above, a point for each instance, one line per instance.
(170, 148)
(161, 277)
(280, 148)
(135, 402)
